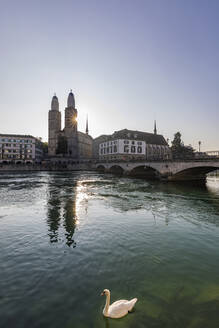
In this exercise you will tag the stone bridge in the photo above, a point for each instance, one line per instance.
(194, 170)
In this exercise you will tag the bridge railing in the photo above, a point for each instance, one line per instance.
(204, 159)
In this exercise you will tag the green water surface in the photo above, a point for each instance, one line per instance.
(64, 237)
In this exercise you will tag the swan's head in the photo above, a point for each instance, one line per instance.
(105, 292)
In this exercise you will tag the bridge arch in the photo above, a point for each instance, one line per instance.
(145, 171)
(117, 169)
(101, 168)
(197, 173)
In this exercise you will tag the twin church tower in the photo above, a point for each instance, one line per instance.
(67, 142)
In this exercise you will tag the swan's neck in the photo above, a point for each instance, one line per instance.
(106, 308)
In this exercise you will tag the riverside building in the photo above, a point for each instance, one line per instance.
(16, 148)
(132, 145)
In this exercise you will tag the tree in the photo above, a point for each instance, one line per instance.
(45, 148)
(62, 145)
(179, 150)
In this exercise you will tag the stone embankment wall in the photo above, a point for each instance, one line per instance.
(31, 168)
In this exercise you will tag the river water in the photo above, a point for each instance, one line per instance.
(64, 237)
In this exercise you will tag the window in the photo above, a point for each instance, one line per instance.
(139, 143)
(126, 142)
(132, 149)
(115, 149)
(133, 142)
(139, 149)
(135, 135)
(126, 149)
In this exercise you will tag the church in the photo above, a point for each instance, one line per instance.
(67, 142)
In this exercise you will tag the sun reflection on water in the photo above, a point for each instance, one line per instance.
(81, 199)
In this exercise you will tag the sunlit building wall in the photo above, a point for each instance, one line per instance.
(20, 148)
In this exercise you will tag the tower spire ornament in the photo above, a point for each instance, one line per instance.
(71, 100)
(155, 127)
(55, 103)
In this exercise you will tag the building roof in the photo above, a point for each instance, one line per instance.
(17, 136)
(71, 100)
(102, 137)
(84, 135)
(149, 138)
(55, 103)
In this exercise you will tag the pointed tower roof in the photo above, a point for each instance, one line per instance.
(71, 100)
(87, 131)
(55, 103)
(155, 127)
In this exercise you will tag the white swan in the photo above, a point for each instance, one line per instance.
(119, 308)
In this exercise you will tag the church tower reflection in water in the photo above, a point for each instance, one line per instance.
(61, 213)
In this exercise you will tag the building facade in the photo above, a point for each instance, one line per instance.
(15, 148)
(122, 149)
(131, 145)
(68, 142)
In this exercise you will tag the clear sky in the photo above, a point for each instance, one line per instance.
(128, 63)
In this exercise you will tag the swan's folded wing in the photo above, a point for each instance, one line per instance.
(119, 302)
(119, 308)
(131, 303)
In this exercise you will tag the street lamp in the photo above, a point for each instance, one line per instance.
(199, 146)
